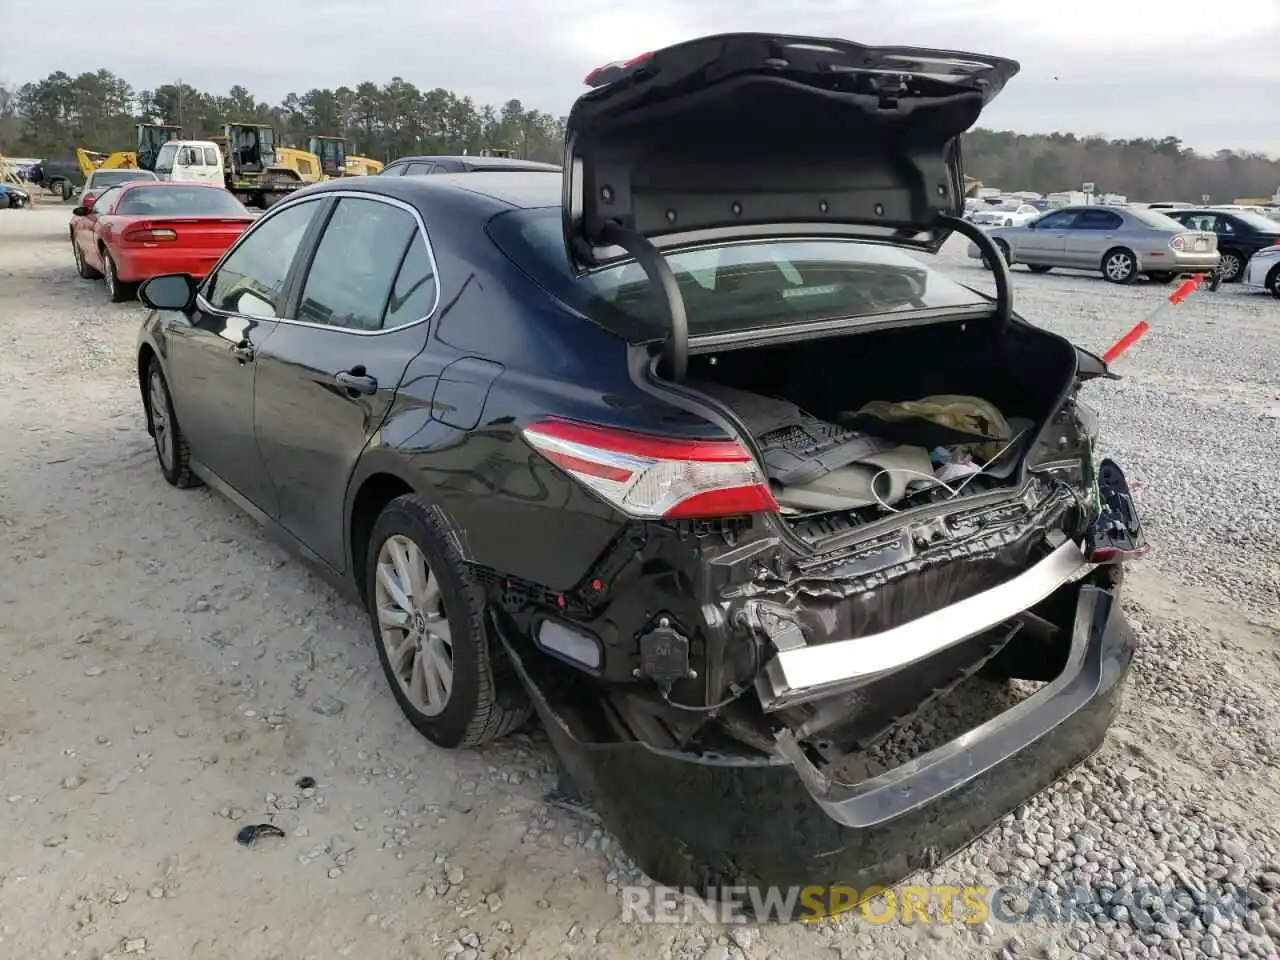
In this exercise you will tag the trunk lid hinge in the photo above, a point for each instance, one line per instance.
(675, 349)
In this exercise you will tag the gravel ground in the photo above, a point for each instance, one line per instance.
(172, 675)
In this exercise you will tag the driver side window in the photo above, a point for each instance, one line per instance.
(251, 281)
(1057, 221)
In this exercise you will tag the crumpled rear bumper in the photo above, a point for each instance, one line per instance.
(718, 821)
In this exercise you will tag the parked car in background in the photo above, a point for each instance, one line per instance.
(100, 180)
(1018, 217)
(1241, 234)
(12, 197)
(417, 166)
(142, 229)
(1263, 270)
(1121, 243)
(586, 451)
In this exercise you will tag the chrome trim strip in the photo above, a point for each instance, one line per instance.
(812, 672)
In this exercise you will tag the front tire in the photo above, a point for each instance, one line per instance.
(1273, 282)
(82, 267)
(1038, 268)
(427, 615)
(172, 452)
(1119, 265)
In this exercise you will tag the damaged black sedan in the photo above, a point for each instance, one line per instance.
(686, 450)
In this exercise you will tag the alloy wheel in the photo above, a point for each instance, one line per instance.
(1229, 267)
(158, 398)
(1119, 267)
(412, 625)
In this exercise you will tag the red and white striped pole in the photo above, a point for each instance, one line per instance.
(1185, 289)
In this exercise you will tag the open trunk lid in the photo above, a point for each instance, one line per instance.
(745, 136)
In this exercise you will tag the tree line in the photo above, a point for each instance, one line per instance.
(98, 111)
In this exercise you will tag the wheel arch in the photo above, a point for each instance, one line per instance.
(147, 355)
(380, 477)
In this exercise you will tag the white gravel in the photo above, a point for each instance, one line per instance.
(170, 674)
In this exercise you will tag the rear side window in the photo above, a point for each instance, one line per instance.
(356, 262)
(418, 169)
(1098, 220)
(733, 287)
(413, 296)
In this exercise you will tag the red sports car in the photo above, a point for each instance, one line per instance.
(143, 229)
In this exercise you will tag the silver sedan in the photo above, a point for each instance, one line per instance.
(1119, 242)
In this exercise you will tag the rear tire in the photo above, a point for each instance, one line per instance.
(1038, 268)
(427, 614)
(1119, 265)
(117, 289)
(1230, 266)
(1162, 277)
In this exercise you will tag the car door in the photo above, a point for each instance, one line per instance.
(212, 166)
(1045, 241)
(1091, 235)
(212, 357)
(87, 227)
(327, 377)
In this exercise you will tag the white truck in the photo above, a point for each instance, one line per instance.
(191, 161)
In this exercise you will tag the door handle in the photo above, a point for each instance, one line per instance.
(243, 352)
(356, 381)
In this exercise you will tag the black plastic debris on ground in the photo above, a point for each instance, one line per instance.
(306, 783)
(247, 835)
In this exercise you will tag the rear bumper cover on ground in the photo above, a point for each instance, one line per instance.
(716, 821)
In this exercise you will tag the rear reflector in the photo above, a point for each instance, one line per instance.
(649, 477)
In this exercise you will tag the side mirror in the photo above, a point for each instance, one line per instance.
(173, 291)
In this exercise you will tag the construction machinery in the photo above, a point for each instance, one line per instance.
(336, 160)
(255, 171)
(151, 137)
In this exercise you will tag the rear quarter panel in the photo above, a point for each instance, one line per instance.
(501, 354)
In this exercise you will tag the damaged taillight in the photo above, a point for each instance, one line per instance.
(650, 477)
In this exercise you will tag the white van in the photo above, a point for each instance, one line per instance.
(190, 161)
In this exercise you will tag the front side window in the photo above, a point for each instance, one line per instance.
(251, 281)
(103, 201)
(350, 278)
(1062, 220)
(736, 286)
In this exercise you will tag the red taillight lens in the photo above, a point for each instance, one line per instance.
(145, 234)
(1116, 555)
(650, 477)
(1179, 242)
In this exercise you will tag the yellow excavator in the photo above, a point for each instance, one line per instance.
(151, 137)
(336, 161)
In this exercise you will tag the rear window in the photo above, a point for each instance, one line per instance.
(740, 286)
(164, 201)
(108, 178)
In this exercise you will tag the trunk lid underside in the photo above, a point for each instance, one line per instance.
(749, 135)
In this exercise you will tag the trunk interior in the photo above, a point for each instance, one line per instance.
(835, 467)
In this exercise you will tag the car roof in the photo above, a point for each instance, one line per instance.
(481, 162)
(523, 189)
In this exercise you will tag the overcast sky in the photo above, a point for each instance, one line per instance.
(1122, 68)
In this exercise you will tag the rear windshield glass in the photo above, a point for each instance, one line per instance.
(107, 178)
(740, 286)
(168, 201)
